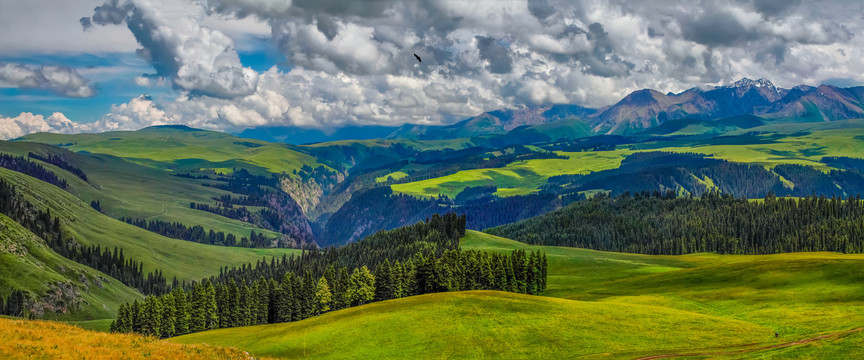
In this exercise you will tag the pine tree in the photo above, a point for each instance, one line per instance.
(151, 316)
(285, 302)
(243, 306)
(181, 312)
(263, 301)
(135, 316)
(168, 316)
(198, 318)
(384, 282)
(323, 297)
(211, 311)
(233, 302)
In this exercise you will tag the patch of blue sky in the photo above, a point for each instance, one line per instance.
(260, 55)
(111, 74)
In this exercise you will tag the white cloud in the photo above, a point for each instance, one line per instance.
(196, 57)
(27, 123)
(60, 80)
(351, 61)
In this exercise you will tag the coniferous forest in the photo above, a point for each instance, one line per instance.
(413, 260)
(663, 224)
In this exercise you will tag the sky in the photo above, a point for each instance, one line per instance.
(100, 65)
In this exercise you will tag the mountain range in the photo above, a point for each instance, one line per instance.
(635, 113)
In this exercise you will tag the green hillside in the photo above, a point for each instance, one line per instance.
(803, 144)
(602, 305)
(184, 149)
(76, 291)
(483, 324)
(798, 295)
(183, 259)
(127, 189)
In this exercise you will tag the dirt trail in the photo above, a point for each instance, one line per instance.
(741, 351)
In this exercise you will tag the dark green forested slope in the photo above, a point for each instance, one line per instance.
(413, 260)
(664, 224)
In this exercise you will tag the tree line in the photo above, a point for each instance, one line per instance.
(294, 297)
(663, 223)
(412, 260)
(197, 233)
(60, 162)
(31, 168)
(111, 262)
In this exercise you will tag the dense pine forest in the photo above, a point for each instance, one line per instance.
(661, 223)
(413, 260)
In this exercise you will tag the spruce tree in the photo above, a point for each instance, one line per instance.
(384, 282)
(168, 316)
(211, 311)
(263, 301)
(233, 302)
(198, 318)
(181, 312)
(285, 302)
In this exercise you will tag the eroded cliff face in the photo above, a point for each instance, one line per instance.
(308, 191)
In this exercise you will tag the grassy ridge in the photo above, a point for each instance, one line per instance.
(28, 264)
(183, 259)
(796, 294)
(127, 189)
(517, 178)
(603, 305)
(482, 324)
(51, 340)
(184, 149)
(803, 144)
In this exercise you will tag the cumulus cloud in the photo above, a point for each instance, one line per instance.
(351, 61)
(62, 81)
(197, 58)
(27, 123)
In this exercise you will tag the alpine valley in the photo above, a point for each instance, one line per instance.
(718, 222)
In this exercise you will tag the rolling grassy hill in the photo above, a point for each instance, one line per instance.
(795, 294)
(482, 324)
(67, 290)
(51, 340)
(803, 144)
(183, 259)
(599, 305)
(517, 178)
(127, 189)
(180, 148)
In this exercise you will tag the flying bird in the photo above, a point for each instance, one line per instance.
(418, 57)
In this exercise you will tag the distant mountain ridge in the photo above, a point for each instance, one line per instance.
(635, 113)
